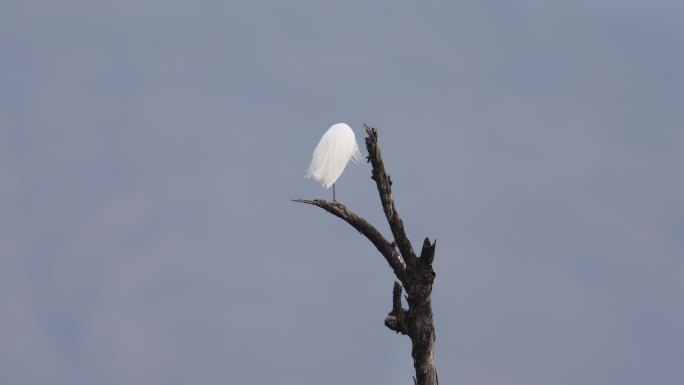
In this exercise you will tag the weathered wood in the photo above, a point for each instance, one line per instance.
(385, 248)
(384, 185)
(420, 318)
(415, 273)
(396, 318)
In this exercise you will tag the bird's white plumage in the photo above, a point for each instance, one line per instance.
(333, 152)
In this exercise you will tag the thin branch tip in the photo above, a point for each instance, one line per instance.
(306, 201)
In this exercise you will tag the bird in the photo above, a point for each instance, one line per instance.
(337, 147)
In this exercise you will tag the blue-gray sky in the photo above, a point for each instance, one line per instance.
(149, 151)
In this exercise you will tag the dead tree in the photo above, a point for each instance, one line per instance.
(413, 272)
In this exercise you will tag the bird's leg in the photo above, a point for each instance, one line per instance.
(333, 192)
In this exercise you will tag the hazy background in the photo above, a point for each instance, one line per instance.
(149, 151)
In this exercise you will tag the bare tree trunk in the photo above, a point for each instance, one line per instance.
(414, 273)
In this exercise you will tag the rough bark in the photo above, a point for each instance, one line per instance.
(414, 273)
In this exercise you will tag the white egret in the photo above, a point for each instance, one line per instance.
(333, 152)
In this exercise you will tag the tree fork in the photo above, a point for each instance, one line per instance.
(415, 273)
